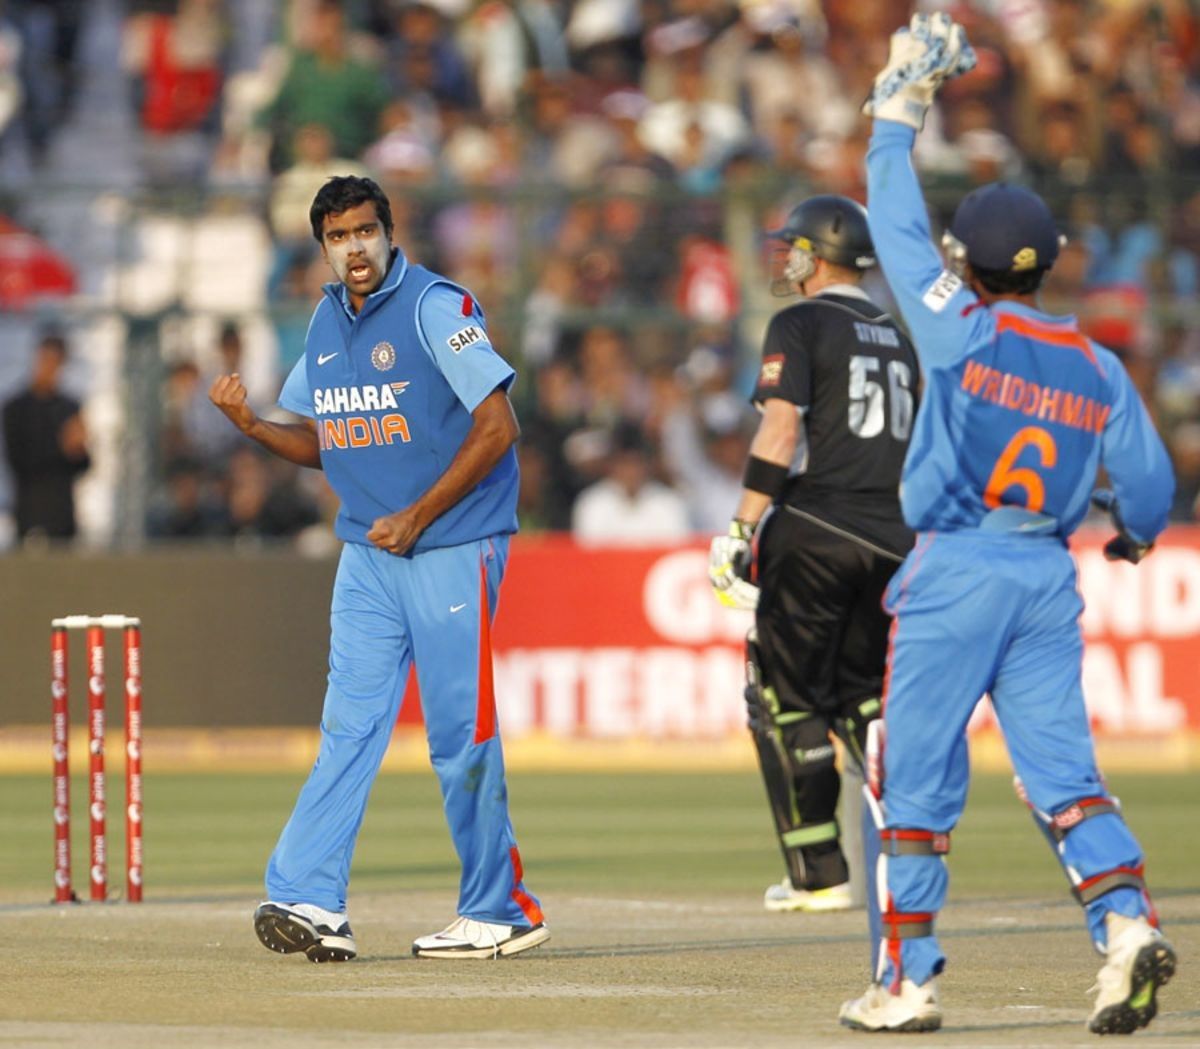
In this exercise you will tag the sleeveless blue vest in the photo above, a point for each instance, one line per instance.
(388, 423)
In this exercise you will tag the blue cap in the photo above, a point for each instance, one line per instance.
(1006, 228)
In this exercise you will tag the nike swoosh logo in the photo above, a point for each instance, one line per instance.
(322, 358)
(458, 608)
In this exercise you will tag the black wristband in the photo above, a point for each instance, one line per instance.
(764, 477)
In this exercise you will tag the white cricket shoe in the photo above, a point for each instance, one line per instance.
(1139, 962)
(913, 1009)
(323, 936)
(468, 938)
(783, 897)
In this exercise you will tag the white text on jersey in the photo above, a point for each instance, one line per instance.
(876, 334)
(340, 399)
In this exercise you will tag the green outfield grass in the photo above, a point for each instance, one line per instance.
(616, 832)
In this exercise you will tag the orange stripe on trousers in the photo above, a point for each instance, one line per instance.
(485, 713)
(522, 899)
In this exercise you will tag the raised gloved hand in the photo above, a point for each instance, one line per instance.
(729, 558)
(933, 48)
(1122, 546)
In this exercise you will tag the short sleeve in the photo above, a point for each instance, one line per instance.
(786, 370)
(455, 333)
(296, 395)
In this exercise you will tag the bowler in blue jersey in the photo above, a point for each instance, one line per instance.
(1020, 410)
(404, 405)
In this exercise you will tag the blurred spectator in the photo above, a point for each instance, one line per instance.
(293, 189)
(327, 85)
(555, 293)
(189, 508)
(624, 110)
(405, 151)
(175, 60)
(613, 388)
(47, 447)
(628, 507)
(705, 447)
(12, 93)
(784, 73)
(263, 499)
(1185, 452)
(504, 42)
(192, 429)
(690, 123)
(424, 59)
(50, 32)
(292, 192)
(562, 145)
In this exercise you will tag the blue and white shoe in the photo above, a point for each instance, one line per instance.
(323, 936)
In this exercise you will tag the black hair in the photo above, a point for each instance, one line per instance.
(55, 341)
(1005, 282)
(343, 192)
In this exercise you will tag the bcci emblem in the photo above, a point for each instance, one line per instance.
(383, 356)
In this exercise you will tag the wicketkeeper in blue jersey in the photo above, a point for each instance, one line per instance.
(1020, 409)
(406, 410)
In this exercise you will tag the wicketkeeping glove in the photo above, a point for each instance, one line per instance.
(729, 558)
(930, 50)
(1122, 546)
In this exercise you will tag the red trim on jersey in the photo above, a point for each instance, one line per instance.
(485, 712)
(522, 899)
(1054, 335)
(468, 306)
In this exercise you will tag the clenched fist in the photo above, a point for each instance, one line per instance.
(229, 394)
(397, 532)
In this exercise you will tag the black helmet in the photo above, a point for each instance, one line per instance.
(832, 228)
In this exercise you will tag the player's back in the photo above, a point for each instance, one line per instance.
(853, 373)
(1017, 421)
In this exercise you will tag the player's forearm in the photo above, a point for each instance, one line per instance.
(774, 442)
(896, 212)
(494, 432)
(295, 442)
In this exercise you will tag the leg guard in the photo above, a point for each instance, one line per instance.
(1101, 860)
(797, 762)
(889, 926)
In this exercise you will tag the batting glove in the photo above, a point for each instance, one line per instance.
(1122, 546)
(729, 558)
(930, 50)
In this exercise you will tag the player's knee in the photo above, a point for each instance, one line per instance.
(810, 747)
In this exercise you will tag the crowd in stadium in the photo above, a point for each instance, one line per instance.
(580, 166)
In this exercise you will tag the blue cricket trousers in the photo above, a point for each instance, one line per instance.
(988, 613)
(435, 609)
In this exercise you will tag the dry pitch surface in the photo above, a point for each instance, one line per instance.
(652, 889)
(619, 971)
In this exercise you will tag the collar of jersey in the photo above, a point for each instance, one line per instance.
(391, 282)
(1062, 320)
(849, 291)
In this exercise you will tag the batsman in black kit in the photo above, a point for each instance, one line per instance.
(837, 391)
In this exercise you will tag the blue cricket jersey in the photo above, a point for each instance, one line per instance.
(1020, 407)
(392, 389)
